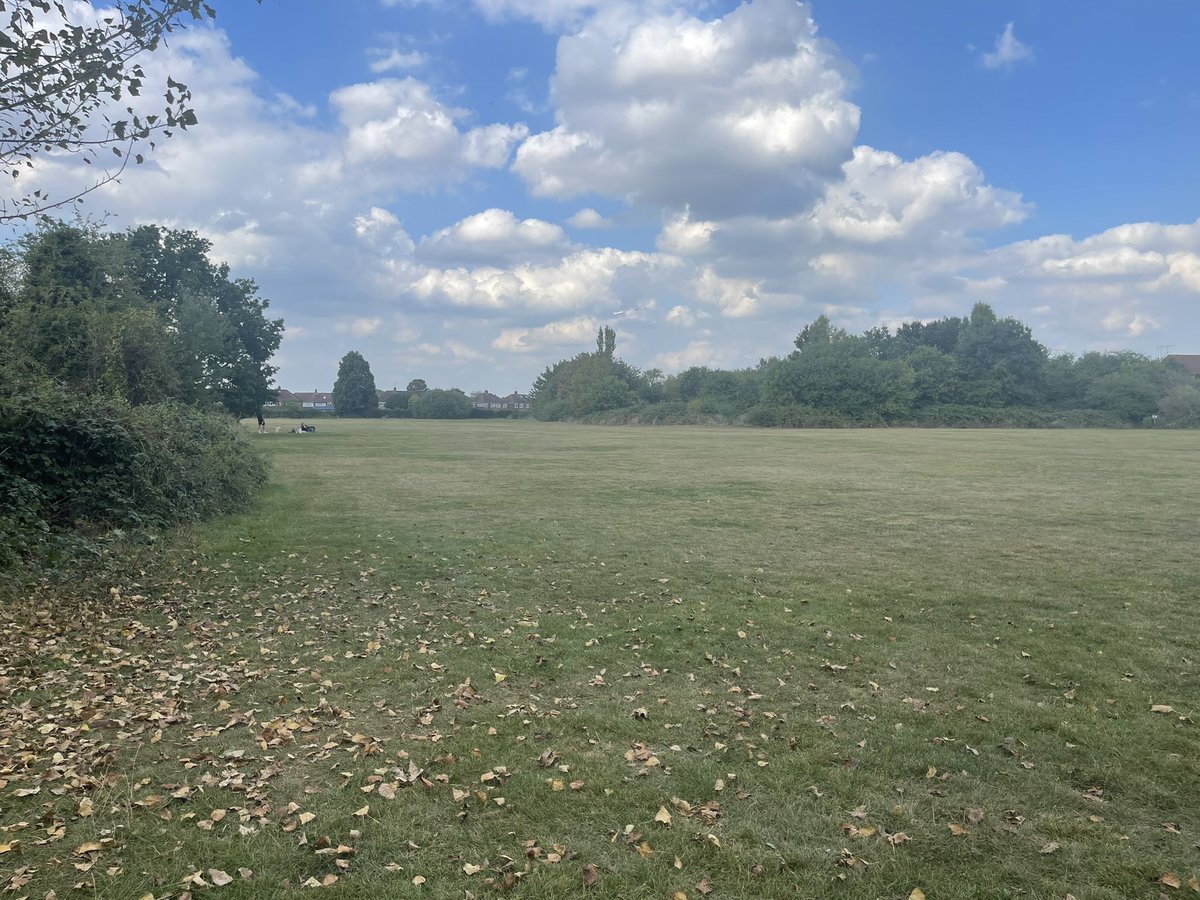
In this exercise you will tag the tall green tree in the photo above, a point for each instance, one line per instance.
(144, 315)
(440, 404)
(354, 391)
(417, 386)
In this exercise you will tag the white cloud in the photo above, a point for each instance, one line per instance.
(587, 278)
(696, 353)
(884, 198)
(383, 231)
(589, 218)
(742, 114)
(737, 297)
(681, 316)
(1008, 51)
(397, 133)
(391, 60)
(495, 237)
(568, 332)
(686, 237)
(1132, 324)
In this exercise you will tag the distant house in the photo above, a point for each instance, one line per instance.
(283, 398)
(1190, 361)
(313, 399)
(384, 396)
(488, 400)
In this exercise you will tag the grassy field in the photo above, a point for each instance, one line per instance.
(471, 659)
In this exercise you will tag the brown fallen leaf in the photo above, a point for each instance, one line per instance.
(974, 815)
(590, 874)
(957, 830)
(1171, 880)
(220, 877)
(704, 886)
(663, 817)
(1051, 847)
(917, 894)
(1162, 708)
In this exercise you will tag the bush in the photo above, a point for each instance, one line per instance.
(69, 463)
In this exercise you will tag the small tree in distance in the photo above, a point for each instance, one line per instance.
(417, 386)
(354, 391)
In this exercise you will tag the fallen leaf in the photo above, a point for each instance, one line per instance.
(472, 869)
(1051, 847)
(957, 830)
(418, 880)
(590, 874)
(1162, 708)
(704, 886)
(360, 813)
(917, 894)
(220, 877)
(663, 816)
(1171, 880)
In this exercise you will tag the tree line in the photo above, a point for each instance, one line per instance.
(356, 396)
(979, 369)
(125, 358)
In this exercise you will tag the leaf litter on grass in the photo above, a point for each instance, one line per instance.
(342, 715)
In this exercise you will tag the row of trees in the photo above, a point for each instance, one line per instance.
(980, 369)
(355, 395)
(124, 357)
(142, 315)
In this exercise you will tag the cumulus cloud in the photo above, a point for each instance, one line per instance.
(588, 218)
(495, 237)
(681, 316)
(696, 353)
(399, 134)
(745, 113)
(736, 297)
(1008, 51)
(884, 198)
(568, 332)
(684, 236)
(587, 278)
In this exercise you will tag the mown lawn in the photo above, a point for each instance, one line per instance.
(473, 659)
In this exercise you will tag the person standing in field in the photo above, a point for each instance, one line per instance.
(262, 423)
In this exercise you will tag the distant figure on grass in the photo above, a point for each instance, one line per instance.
(262, 423)
(305, 429)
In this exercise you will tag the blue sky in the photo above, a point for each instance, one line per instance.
(464, 191)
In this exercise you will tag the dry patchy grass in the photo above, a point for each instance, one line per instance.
(503, 658)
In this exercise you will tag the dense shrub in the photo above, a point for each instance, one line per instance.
(93, 464)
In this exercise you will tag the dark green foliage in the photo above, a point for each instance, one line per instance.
(143, 315)
(1180, 406)
(417, 386)
(440, 404)
(117, 353)
(354, 393)
(71, 463)
(983, 371)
